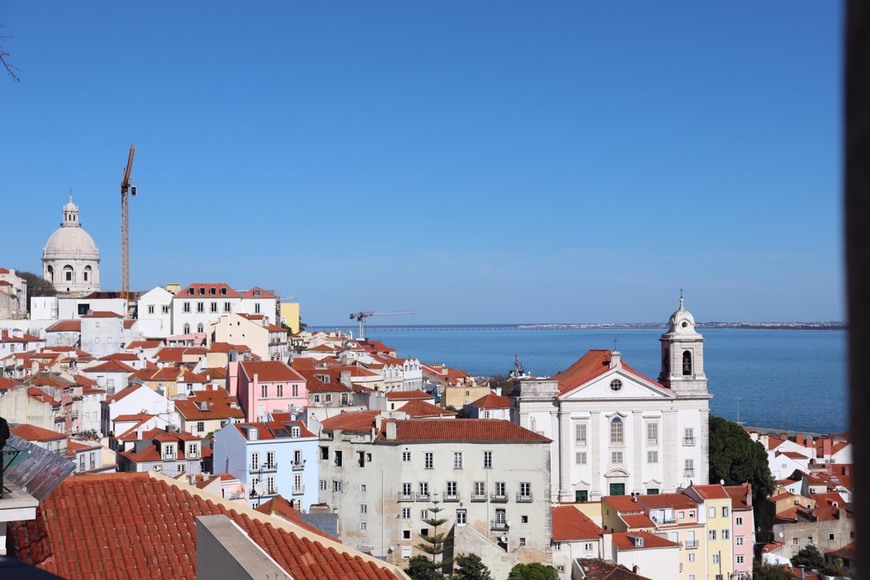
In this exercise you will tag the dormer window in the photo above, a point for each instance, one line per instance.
(295, 431)
(256, 292)
(212, 291)
(202, 291)
(190, 291)
(252, 433)
(223, 291)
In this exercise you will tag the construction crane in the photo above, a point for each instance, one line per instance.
(361, 316)
(125, 226)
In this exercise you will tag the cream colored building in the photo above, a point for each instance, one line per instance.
(616, 431)
(71, 260)
(383, 475)
(239, 329)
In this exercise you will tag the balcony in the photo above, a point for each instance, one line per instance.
(448, 496)
(497, 497)
(270, 466)
(478, 497)
(524, 497)
(298, 489)
(688, 441)
(691, 544)
(298, 465)
(423, 496)
(405, 496)
(498, 525)
(689, 473)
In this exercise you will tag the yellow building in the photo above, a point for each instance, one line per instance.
(714, 509)
(290, 316)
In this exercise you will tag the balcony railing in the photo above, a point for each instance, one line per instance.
(691, 544)
(405, 496)
(498, 497)
(298, 489)
(689, 441)
(478, 497)
(270, 466)
(524, 497)
(689, 473)
(498, 525)
(423, 496)
(298, 465)
(448, 496)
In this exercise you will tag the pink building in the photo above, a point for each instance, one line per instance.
(742, 527)
(264, 387)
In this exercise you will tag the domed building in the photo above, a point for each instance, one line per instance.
(71, 260)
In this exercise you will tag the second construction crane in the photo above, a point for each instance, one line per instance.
(361, 316)
(125, 226)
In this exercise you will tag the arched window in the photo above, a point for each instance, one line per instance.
(616, 430)
(51, 274)
(68, 273)
(186, 328)
(687, 362)
(200, 327)
(87, 273)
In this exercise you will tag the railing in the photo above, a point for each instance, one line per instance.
(478, 497)
(691, 544)
(451, 496)
(498, 497)
(498, 525)
(423, 496)
(298, 490)
(405, 496)
(270, 466)
(689, 473)
(298, 465)
(524, 497)
(689, 441)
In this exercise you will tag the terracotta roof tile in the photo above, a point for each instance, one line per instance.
(623, 541)
(492, 430)
(492, 401)
(417, 409)
(34, 433)
(270, 371)
(569, 524)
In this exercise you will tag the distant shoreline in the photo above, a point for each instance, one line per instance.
(597, 326)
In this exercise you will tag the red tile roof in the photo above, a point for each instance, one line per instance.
(409, 396)
(252, 293)
(417, 409)
(569, 524)
(101, 314)
(622, 503)
(491, 430)
(591, 365)
(34, 433)
(65, 326)
(203, 290)
(358, 422)
(112, 366)
(270, 371)
(148, 530)
(712, 491)
(144, 344)
(674, 500)
(492, 401)
(622, 541)
(280, 507)
(270, 429)
(219, 405)
(638, 521)
(7, 383)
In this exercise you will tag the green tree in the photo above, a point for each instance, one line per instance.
(419, 569)
(735, 458)
(533, 572)
(763, 571)
(435, 543)
(471, 567)
(809, 557)
(36, 286)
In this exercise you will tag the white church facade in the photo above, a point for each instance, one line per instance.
(618, 432)
(71, 260)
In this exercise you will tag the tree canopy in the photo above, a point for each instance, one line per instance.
(533, 571)
(471, 567)
(764, 571)
(736, 458)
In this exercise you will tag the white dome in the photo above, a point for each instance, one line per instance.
(682, 321)
(72, 243)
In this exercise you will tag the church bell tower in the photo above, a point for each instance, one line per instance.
(683, 355)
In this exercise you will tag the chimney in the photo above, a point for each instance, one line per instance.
(615, 359)
(799, 439)
(391, 430)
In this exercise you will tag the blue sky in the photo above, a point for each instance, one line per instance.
(476, 162)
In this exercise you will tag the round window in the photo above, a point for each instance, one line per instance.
(685, 324)
(615, 385)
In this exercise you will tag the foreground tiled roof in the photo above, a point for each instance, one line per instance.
(280, 507)
(34, 433)
(148, 530)
(569, 524)
(491, 430)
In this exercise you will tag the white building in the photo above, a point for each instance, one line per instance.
(618, 432)
(71, 260)
(156, 304)
(102, 333)
(490, 476)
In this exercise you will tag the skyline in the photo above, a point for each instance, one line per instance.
(495, 163)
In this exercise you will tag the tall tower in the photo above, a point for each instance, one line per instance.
(683, 355)
(71, 260)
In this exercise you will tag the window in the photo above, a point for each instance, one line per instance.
(280, 390)
(165, 309)
(363, 508)
(257, 308)
(616, 457)
(316, 398)
(81, 462)
(715, 557)
(429, 460)
(406, 456)
(724, 512)
(424, 515)
(457, 460)
(557, 546)
(690, 469)
(524, 519)
(461, 517)
(689, 436)
(424, 489)
(500, 489)
(270, 485)
(652, 456)
(725, 534)
(200, 426)
(452, 490)
(712, 512)
(739, 540)
(407, 489)
(525, 490)
(712, 534)
(200, 327)
(406, 513)
(739, 520)
(214, 307)
(739, 558)
(616, 431)
(487, 459)
(580, 434)
(615, 385)
(324, 453)
(186, 307)
(338, 458)
(226, 306)
(255, 461)
(324, 485)
(652, 433)
(192, 450)
(200, 307)
(580, 458)
(479, 488)
(522, 542)
(406, 535)
(691, 556)
(336, 485)
(150, 309)
(264, 391)
(362, 526)
(362, 487)
(687, 363)
(830, 536)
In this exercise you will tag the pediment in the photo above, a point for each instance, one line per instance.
(618, 383)
(617, 472)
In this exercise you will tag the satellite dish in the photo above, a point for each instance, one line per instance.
(503, 539)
